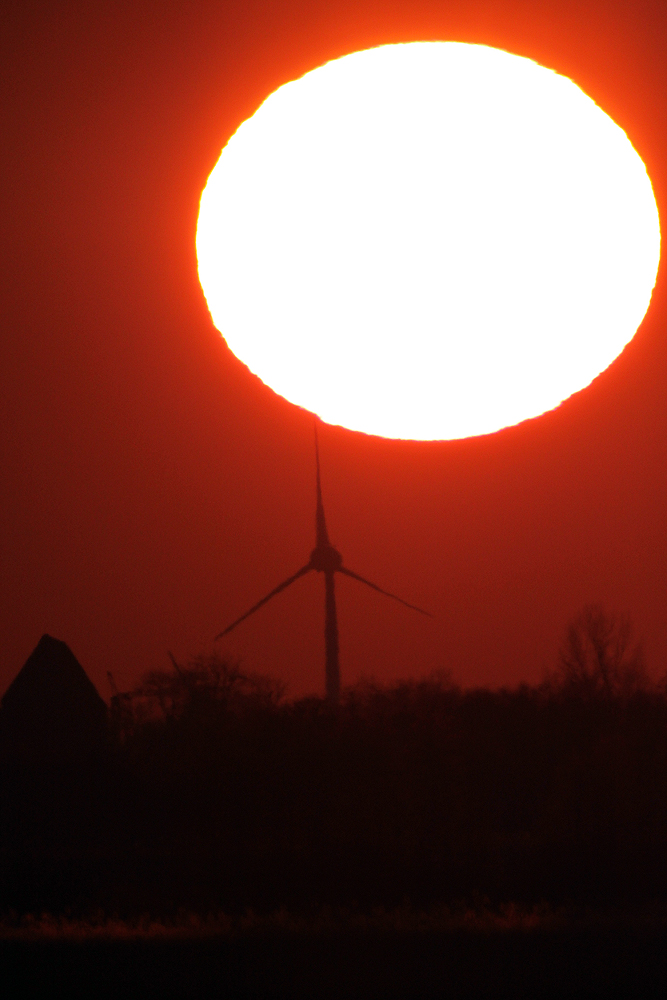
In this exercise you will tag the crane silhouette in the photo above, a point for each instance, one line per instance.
(327, 560)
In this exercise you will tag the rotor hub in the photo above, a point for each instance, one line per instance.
(326, 559)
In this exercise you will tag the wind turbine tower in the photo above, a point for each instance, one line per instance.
(327, 560)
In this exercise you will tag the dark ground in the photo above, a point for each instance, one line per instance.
(414, 841)
(596, 961)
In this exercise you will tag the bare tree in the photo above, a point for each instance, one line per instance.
(600, 657)
(206, 682)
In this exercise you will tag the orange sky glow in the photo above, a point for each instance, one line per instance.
(154, 487)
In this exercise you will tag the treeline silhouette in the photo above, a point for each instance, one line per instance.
(212, 791)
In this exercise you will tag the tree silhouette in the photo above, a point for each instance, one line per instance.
(207, 683)
(600, 658)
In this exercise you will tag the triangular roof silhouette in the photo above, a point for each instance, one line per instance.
(52, 705)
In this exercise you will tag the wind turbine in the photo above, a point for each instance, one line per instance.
(324, 559)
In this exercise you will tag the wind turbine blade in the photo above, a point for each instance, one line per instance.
(255, 607)
(361, 579)
(174, 663)
(321, 536)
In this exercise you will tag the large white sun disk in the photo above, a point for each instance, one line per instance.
(431, 240)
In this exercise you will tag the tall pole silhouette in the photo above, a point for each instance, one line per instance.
(327, 560)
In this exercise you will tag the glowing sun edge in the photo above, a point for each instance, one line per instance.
(341, 236)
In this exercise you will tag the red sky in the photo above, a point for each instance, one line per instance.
(153, 489)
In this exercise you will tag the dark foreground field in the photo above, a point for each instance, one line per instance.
(333, 844)
(590, 957)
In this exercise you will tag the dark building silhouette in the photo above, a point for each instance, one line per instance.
(51, 712)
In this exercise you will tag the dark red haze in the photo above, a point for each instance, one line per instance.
(153, 489)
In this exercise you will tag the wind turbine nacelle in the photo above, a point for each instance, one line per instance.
(326, 559)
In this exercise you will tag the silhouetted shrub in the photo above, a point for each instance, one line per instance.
(599, 657)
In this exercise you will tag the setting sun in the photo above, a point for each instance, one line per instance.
(430, 240)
